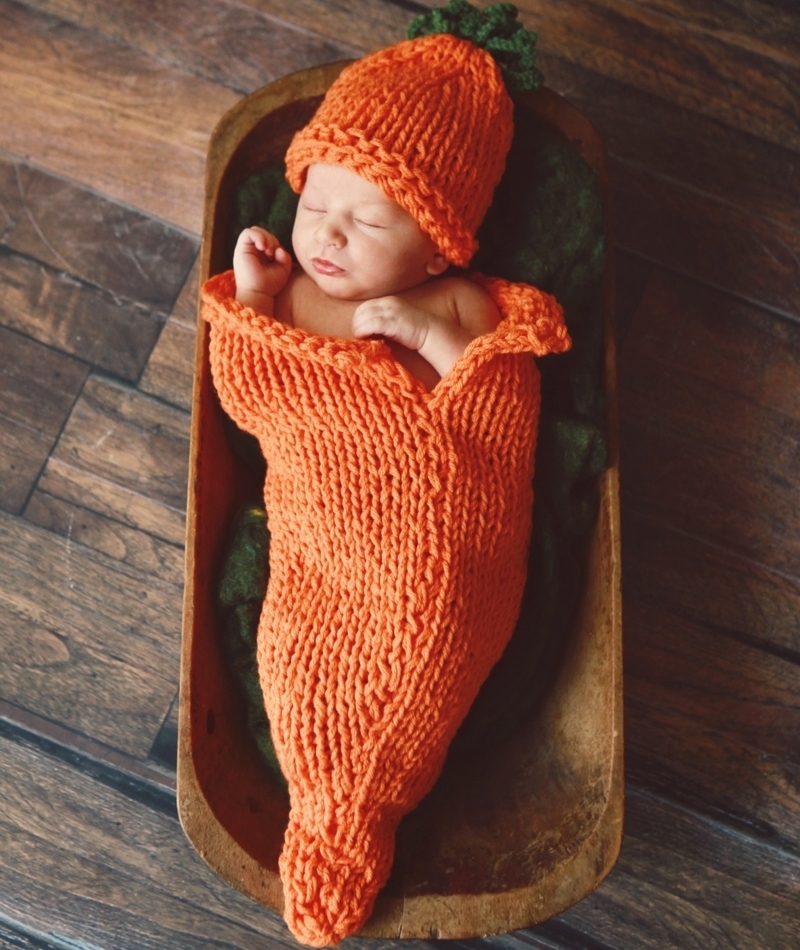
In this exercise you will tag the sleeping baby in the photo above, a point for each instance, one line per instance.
(396, 404)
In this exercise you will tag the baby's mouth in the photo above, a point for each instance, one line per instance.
(328, 268)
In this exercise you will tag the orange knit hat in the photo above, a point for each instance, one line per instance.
(429, 121)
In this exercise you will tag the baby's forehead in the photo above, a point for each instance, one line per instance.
(336, 181)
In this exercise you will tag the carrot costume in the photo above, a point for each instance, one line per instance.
(399, 518)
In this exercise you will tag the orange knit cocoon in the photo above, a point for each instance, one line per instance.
(399, 522)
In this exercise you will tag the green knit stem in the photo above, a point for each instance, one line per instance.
(495, 29)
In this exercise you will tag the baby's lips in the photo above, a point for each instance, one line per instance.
(326, 267)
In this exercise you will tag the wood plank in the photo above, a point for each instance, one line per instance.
(713, 772)
(227, 42)
(98, 242)
(91, 866)
(38, 388)
(707, 584)
(85, 863)
(716, 682)
(707, 239)
(710, 427)
(85, 527)
(13, 939)
(364, 24)
(663, 56)
(184, 310)
(170, 370)
(169, 373)
(769, 27)
(734, 166)
(123, 455)
(91, 109)
(712, 721)
(78, 319)
(717, 340)
(86, 641)
(90, 756)
(722, 493)
(631, 277)
(682, 882)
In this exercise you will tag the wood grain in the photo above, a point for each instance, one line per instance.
(170, 370)
(108, 765)
(97, 242)
(703, 154)
(38, 388)
(656, 53)
(94, 867)
(87, 107)
(13, 939)
(231, 43)
(123, 455)
(632, 275)
(106, 535)
(719, 683)
(707, 239)
(718, 341)
(86, 640)
(76, 318)
(711, 771)
(711, 438)
(705, 583)
(764, 26)
(688, 884)
(364, 24)
(109, 870)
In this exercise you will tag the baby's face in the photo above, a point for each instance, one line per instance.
(354, 242)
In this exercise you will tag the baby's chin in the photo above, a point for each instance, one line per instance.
(341, 288)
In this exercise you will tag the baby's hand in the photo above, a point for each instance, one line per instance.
(394, 318)
(261, 268)
(437, 340)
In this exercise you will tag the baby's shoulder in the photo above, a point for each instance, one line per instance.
(474, 308)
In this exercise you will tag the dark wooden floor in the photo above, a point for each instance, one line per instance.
(107, 107)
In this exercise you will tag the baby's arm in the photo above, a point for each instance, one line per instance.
(437, 339)
(261, 268)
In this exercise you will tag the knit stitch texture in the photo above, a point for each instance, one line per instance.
(399, 522)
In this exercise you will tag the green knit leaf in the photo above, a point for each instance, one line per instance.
(495, 29)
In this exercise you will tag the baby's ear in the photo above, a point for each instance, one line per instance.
(437, 265)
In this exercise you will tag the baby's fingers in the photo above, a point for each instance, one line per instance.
(261, 240)
(390, 317)
(369, 319)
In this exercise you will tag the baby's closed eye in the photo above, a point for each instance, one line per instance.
(370, 224)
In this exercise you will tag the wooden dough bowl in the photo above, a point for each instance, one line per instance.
(503, 841)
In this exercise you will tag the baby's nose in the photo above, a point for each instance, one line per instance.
(330, 232)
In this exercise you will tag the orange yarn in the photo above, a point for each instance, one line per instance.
(399, 523)
(429, 121)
